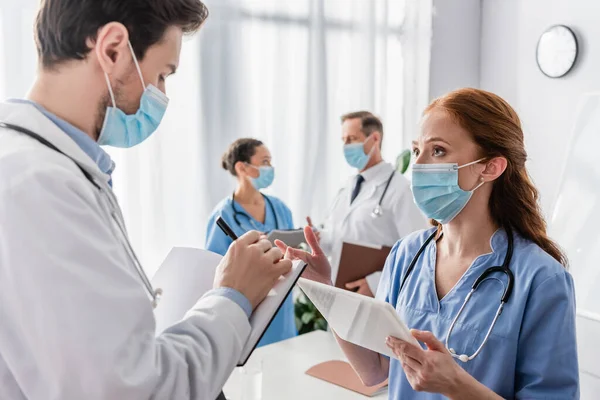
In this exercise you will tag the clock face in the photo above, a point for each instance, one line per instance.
(557, 51)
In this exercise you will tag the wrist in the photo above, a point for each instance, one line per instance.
(460, 384)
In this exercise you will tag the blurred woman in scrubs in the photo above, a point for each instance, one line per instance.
(470, 178)
(249, 161)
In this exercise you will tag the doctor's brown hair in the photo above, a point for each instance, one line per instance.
(496, 129)
(62, 27)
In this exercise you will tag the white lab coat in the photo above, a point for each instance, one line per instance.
(353, 222)
(77, 322)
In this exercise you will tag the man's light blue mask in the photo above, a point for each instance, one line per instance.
(122, 130)
(436, 191)
(356, 156)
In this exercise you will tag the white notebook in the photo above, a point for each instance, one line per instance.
(188, 273)
(358, 319)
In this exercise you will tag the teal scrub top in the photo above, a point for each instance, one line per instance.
(532, 351)
(278, 216)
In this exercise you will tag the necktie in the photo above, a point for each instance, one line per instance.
(359, 181)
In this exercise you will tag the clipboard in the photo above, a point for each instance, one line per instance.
(358, 261)
(292, 237)
(188, 273)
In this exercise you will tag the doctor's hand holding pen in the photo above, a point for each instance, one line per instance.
(252, 266)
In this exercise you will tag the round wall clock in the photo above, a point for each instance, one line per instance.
(557, 51)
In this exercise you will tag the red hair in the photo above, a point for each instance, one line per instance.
(496, 128)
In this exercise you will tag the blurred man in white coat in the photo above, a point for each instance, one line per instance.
(375, 206)
(77, 317)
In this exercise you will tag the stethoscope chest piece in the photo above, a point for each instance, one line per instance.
(377, 212)
(157, 296)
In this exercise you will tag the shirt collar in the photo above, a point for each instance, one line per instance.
(376, 171)
(499, 241)
(89, 146)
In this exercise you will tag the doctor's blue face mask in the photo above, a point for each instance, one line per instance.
(436, 191)
(266, 176)
(122, 130)
(356, 155)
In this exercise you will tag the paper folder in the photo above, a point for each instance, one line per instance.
(358, 261)
(342, 374)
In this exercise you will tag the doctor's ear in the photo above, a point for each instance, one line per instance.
(494, 167)
(111, 48)
(375, 139)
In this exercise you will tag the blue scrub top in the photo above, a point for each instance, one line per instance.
(531, 352)
(283, 325)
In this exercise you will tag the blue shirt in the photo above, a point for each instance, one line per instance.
(277, 216)
(86, 143)
(106, 165)
(531, 352)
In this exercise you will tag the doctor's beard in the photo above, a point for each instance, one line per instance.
(129, 107)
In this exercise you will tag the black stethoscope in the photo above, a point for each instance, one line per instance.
(505, 269)
(115, 214)
(378, 211)
(236, 212)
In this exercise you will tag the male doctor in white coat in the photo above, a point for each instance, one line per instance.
(357, 215)
(76, 308)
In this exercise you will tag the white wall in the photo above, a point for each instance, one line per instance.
(510, 31)
(455, 46)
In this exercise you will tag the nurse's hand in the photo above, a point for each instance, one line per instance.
(315, 230)
(318, 268)
(252, 266)
(432, 370)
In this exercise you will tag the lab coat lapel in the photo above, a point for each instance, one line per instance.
(368, 193)
(27, 116)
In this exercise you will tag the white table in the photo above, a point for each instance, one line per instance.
(284, 365)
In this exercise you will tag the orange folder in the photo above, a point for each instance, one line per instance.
(342, 374)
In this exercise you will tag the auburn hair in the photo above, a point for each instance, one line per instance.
(496, 129)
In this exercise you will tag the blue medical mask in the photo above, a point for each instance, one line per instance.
(266, 175)
(122, 130)
(436, 191)
(356, 155)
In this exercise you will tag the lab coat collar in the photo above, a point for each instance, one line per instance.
(378, 173)
(29, 117)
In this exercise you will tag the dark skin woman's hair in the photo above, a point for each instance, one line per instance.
(240, 150)
(496, 128)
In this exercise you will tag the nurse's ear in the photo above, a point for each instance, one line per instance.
(243, 170)
(494, 167)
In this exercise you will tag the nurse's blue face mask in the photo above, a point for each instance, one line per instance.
(436, 191)
(266, 176)
(356, 156)
(122, 130)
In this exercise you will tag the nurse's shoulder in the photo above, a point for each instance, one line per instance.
(278, 204)
(411, 243)
(534, 266)
(398, 261)
(406, 249)
(223, 205)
